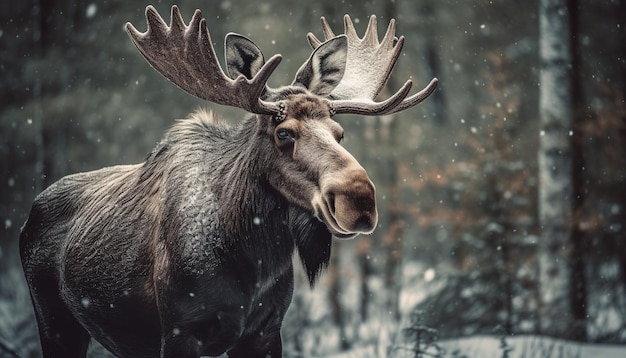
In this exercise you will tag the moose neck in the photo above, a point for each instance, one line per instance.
(254, 217)
(265, 211)
(249, 208)
(222, 166)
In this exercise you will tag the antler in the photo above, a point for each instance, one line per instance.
(369, 65)
(185, 55)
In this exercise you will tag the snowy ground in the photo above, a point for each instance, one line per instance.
(490, 347)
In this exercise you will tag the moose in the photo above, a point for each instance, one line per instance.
(189, 253)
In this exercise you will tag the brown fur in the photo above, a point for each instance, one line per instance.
(206, 225)
(189, 253)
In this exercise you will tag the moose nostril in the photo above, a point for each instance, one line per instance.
(363, 223)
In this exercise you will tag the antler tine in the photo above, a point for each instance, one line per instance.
(415, 99)
(372, 108)
(328, 31)
(313, 40)
(349, 30)
(176, 20)
(328, 34)
(390, 38)
(185, 56)
(371, 32)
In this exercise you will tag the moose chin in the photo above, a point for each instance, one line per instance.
(189, 253)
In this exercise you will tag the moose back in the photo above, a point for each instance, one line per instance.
(189, 253)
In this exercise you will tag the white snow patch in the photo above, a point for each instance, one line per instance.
(490, 347)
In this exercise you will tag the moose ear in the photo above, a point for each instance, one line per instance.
(243, 57)
(322, 72)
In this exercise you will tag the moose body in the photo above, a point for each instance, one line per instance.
(138, 252)
(189, 253)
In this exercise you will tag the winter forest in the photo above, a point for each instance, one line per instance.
(502, 198)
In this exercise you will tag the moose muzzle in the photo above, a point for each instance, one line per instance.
(347, 203)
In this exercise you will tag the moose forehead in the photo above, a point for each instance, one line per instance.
(304, 106)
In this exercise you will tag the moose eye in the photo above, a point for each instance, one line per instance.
(284, 134)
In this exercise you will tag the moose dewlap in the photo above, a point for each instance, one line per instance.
(189, 253)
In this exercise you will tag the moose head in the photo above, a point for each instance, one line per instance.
(342, 76)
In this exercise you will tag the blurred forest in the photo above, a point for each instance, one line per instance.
(461, 241)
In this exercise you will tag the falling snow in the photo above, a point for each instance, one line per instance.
(457, 176)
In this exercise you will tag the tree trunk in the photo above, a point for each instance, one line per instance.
(555, 168)
(578, 279)
(621, 244)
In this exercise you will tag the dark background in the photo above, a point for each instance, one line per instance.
(457, 176)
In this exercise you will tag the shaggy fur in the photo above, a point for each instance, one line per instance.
(196, 229)
(189, 253)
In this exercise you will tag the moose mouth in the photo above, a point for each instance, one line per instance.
(333, 227)
(324, 210)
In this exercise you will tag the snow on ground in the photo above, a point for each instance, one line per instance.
(532, 346)
(490, 347)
